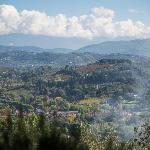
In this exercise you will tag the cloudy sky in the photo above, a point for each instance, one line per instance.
(81, 19)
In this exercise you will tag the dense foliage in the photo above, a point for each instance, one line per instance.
(83, 106)
(36, 133)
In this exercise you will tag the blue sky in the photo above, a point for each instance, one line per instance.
(79, 7)
(80, 21)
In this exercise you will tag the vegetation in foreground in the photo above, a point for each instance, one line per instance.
(36, 133)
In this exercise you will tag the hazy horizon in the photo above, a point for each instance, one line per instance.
(46, 42)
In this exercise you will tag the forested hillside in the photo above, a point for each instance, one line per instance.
(111, 94)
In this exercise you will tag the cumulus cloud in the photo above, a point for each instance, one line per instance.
(98, 23)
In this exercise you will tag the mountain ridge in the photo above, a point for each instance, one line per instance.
(136, 46)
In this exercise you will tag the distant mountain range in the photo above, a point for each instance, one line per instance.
(134, 47)
(59, 57)
(45, 42)
(33, 49)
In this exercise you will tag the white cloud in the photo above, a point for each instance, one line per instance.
(99, 23)
(133, 11)
(103, 12)
(9, 19)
